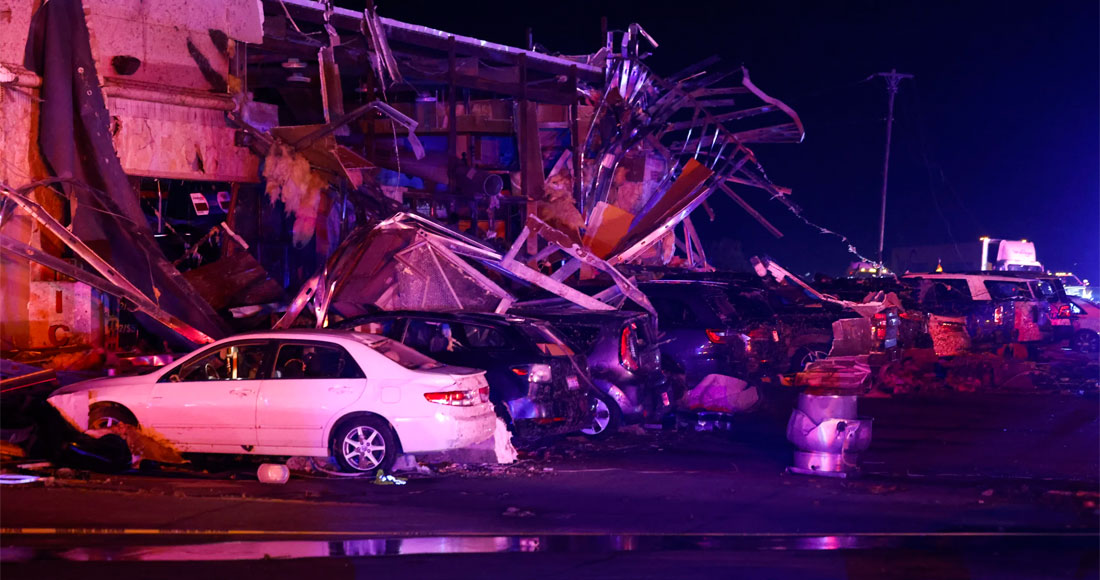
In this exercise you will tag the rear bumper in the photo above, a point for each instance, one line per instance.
(544, 416)
(444, 430)
(638, 397)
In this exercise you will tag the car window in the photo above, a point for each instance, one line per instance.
(672, 312)
(546, 339)
(946, 296)
(719, 305)
(387, 327)
(309, 360)
(1043, 290)
(483, 337)
(1007, 290)
(751, 306)
(944, 290)
(433, 336)
(233, 362)
(582, 337)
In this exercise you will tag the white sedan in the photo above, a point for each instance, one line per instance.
(1086, 324)
(359, 398)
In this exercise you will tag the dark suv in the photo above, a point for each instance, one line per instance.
(786, 327)
(624, 362)
(536, 382)
(700, 333)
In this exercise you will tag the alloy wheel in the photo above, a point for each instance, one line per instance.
(600, 419)
(364, 448)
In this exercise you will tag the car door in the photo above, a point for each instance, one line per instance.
(474, 346)
(210, 398)
(310, 383)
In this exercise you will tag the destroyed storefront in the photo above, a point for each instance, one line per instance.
(225, 153)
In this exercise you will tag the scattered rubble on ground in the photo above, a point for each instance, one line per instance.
(922, 372)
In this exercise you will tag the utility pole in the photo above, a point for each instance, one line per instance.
(893, 78)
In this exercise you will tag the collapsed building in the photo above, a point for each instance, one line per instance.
(174, 172)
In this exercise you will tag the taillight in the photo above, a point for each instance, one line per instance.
(717, 336)
(536, 373)
(1060, 311)
(879, 325)
(628, 355)
(459, 398)
(759, 334)
(999, 315)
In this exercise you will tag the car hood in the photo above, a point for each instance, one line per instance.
(90, 384)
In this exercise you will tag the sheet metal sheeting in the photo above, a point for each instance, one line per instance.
(404, 262)
(702, 137)
(408, 262)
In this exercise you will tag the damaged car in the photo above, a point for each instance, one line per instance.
(700, 332)
(788, 328)
(536, 382)
(994, 309)
(357, 398)
(624, 362)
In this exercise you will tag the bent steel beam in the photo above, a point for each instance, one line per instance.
(141, 302)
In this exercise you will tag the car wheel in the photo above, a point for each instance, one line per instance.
(606, 418)
(1086, 341)
(808, 354)
(364, 444)
(107, 416)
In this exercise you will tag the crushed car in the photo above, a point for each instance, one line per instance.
(993, 309)
(700, 334)
(624, 361)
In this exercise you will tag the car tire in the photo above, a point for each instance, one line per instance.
(107, 416)
(806, 355)
(364, 445)
(606, 419)
(1086, 341)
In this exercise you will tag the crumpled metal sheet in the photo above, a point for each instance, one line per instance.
(404, 262)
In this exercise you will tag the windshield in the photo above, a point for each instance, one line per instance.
(546, 340)
(404, 355)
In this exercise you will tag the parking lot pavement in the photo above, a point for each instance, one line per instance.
(954, 464)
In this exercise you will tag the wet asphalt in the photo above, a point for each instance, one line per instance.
(962, 485)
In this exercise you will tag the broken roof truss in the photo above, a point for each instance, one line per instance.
(408, 262)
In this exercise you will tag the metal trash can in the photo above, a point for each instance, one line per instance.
(828, 434)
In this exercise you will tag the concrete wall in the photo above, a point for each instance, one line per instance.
(19, 165)
(169, 120)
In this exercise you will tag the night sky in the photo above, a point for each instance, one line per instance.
(997, 135)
